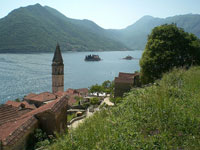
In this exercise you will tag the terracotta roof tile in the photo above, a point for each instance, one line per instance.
(12, 130)
(27, 105)
(71, 100)
(13, 103)
(23, 104)
(83, 90)
(30, 96)
(43, 97)
(8, 112)
(126, 75)
(70, 91)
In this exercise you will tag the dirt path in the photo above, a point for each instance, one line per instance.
(107, 101)
(89, 114)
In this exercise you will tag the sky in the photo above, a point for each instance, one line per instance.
(110, 14)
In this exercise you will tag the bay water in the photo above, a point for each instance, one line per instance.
(21, 74)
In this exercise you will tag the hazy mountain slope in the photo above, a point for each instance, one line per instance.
(135, 36)
(36, 28)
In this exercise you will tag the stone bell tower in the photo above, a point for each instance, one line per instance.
(57, 71)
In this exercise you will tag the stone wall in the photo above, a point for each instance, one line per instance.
(57, 83)
(47, 122)
(53, 122)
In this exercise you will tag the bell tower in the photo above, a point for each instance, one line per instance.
(57, 71)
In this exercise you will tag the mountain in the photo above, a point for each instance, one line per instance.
(37, 29)
(135, 36)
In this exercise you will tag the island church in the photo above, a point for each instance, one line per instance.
(47, 111)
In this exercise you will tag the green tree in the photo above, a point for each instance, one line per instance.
(94, 100)
(17, 100)
(107, 86)
(168, 46)
(96, 88)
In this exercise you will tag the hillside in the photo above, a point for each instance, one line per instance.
(135, 35)
(162, 116)
(37, 28)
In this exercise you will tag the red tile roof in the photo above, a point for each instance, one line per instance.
(126, 75)
(71, 100)
(23, 104)
(42, 97)
(13, 103)
(70, 91)
(8, 112)
(30, 96)
(14, 129)
(83, 90)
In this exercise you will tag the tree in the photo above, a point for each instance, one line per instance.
(107, 86)
(96, 88)
(168, 46)
(94, 100)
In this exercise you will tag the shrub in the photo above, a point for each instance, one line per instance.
(94, 100)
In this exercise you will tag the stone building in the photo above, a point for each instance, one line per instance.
(57, 71)
(124, 82)
(39, 99)
(47, 111)
(17, 126)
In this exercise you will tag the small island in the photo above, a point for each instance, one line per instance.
(128, 57)
(92, 58)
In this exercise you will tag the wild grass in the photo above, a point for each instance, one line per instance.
(162, 116)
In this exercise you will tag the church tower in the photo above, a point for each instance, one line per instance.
(57, 71)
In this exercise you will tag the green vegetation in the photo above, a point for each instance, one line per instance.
(168, 46)
(38, 29)
(94, 100)
(39, 139)
(107, 87)
(17, 100)
(70, 117)
(116, 100)
(162, 116)
(96, 89)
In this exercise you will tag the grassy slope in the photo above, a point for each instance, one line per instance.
(166, 116)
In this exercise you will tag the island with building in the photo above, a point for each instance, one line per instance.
(128, 57)
(92, 58)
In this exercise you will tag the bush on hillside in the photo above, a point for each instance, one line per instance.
(168, 46)
(94, 101)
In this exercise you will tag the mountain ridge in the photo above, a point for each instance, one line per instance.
(37, 28)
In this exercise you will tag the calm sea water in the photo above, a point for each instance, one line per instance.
(21, 74)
